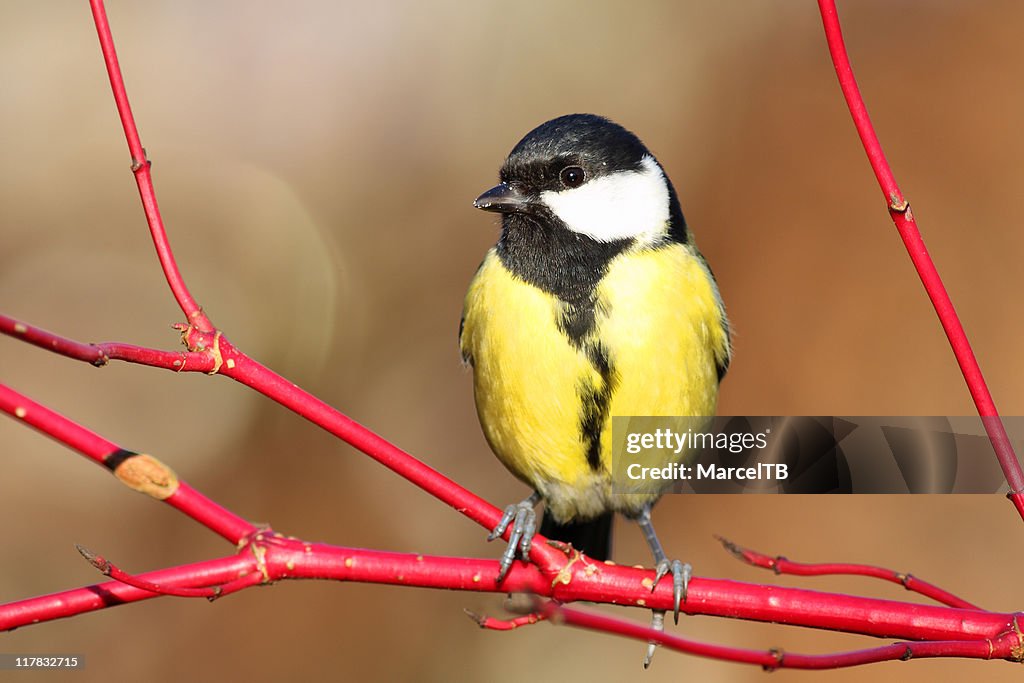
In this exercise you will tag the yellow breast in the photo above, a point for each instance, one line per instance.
(659, 324)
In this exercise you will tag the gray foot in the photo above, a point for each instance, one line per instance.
(523, 520)
(681, 573)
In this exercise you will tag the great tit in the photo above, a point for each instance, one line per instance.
(595, 302)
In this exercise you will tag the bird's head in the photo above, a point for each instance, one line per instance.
(587, 175)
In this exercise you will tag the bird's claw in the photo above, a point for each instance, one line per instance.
(658, 624)
(681, 573)
(523, 520)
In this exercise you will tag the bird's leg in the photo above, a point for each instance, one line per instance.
(681, 573)
(523, 519)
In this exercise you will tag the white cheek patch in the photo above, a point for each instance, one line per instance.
(627, 204)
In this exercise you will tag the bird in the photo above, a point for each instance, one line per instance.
(595, 302)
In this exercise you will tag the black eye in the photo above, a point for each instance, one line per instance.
(572, 176)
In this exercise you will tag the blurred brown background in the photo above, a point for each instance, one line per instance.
(316, 163)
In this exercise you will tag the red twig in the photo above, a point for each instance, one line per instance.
(780, 565)
(1003, 645)
(493, 624)
(142, 472)
(143, 177)
(108, 568)
(102, 353)
(113, 593)
(899, 210)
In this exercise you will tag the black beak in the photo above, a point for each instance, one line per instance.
(503, 199)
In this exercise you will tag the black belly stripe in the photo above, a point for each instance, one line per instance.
(595, 402)
(578, 321)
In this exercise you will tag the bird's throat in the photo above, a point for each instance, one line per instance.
(555, 259)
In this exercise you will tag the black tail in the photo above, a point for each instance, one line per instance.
(592, 537)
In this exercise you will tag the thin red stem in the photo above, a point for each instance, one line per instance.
(781, 565)
(113, 593)
(143, 176)
(111, 456)
(102, 353)
(899, 210)
(1004, 645)
(493, 624)
(110, 569)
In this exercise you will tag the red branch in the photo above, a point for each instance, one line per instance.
(903, 217)
(113, 593)
(102, 353)
(780, 565)
(273, 557)
(1004, 645)
(108, 568)
(143, 177)
(144, 473)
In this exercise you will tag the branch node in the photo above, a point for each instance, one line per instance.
(779, 655)
(898, 204)
(197, 340)
(138, 165)
(565, 572)
(907, 655)
(1017, 651)
(259, 552)
(218, 359)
